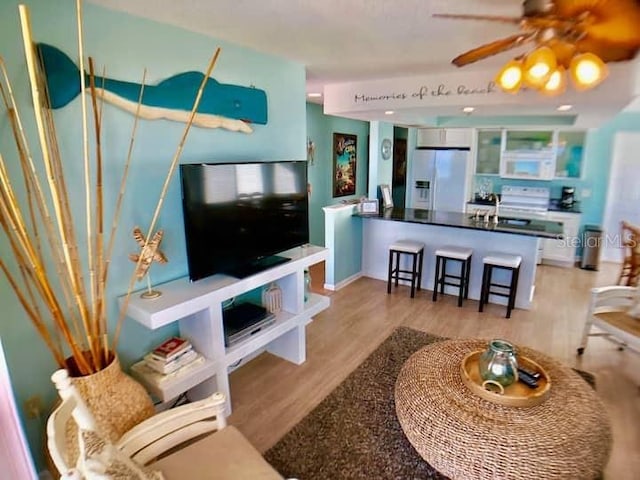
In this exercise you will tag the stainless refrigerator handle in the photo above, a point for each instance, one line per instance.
(434, 184)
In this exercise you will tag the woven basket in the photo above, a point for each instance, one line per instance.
(116, 401)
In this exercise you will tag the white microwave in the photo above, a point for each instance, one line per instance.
(529, 165)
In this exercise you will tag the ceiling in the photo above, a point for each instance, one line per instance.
(343, 40)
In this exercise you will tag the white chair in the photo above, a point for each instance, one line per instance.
(608, 313)
(202, 445)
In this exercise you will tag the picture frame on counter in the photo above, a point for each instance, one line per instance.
(368, 206)
(387, 199)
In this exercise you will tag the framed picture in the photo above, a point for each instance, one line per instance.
(344, 164)
(387, 200)
(368, 206)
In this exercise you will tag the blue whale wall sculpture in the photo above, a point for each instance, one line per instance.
(246, 104)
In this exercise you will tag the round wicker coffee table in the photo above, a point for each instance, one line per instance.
(467, 437)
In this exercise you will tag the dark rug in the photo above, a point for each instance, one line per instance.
(354, 433)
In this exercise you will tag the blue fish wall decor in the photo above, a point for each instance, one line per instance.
(227, 106)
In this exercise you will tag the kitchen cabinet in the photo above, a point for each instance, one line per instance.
(562, 252)
(528, 140)
(569, 150)
(488, 146)
(444, 137)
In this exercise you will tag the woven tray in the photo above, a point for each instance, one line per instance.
(515, 395)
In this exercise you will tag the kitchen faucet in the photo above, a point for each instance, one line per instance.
(495, 217)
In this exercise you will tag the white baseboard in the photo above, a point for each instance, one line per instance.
(343, 283)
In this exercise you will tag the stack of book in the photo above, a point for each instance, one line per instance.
(171, 355)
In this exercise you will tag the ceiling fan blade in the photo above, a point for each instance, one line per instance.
(492, 48)
(491, 18)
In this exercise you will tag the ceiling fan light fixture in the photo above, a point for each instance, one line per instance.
(556, 84)
(509, 78)
(587, 71)
(538, 67)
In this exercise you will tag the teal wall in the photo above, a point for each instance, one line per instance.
(125, 45)
(597, 160)
(320, 129)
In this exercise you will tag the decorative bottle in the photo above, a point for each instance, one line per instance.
(498, 363)
(272, 298)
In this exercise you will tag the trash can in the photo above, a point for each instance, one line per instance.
(591, 241)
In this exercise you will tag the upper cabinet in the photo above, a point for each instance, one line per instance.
(444, 137)
(488, 147)
(530, 154)
(570, 147)
(528, 140)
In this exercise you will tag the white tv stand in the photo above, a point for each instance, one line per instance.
(197, 307)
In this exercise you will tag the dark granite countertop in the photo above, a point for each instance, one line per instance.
(556, 206)
(531, 228)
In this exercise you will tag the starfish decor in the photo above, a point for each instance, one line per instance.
(150, 253)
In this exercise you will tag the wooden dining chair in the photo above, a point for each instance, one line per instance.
(191, 441)
(630, 271)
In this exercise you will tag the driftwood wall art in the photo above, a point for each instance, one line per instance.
(232, 107)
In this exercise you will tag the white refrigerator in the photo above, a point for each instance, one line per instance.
(439, 179)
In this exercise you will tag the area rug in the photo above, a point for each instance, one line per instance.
(354, 433)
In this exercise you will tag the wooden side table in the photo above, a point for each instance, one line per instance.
(465, 436)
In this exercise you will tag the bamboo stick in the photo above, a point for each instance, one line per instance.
(44, 333)
(85, 156)
(23, 252)
(99, 230)
(156, 213)
(29, 172)
(118, 209)
(37, 102)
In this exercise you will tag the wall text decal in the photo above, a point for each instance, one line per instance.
(440, 90)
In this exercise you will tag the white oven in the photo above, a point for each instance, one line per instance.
(526, 203)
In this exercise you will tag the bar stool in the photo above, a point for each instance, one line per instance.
(459, 254)
(502, 261)
(407, 247)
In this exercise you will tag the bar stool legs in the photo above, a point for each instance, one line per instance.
(510, 263)
(396, 273)
(462, 255)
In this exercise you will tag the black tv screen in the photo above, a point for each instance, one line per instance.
(237, 216)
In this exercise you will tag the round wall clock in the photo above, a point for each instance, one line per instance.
(385, 149)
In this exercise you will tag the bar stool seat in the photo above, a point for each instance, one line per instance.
(460, 254)
(503, 261)
(416, 251)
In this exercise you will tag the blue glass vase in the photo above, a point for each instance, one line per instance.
(307, 285)
(498, 363)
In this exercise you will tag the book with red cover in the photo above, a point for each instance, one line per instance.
(171, 347)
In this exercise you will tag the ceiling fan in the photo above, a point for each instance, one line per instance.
(570, 29)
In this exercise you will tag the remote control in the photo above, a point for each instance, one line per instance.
(527, 379)
(531, 373)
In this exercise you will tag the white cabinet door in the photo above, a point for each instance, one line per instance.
(563, 251)
(441, 137)
(457, 137)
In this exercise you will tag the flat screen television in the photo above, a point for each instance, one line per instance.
(237, 216)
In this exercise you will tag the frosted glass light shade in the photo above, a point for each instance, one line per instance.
(538, 67)
(509, 78)
(587, 71)
(556, 84)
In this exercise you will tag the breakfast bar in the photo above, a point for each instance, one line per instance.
(439, 228)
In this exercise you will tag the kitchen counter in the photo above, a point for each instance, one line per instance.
(526, 227)
(556, 206)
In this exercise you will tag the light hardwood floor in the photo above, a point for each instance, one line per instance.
(271, 395)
